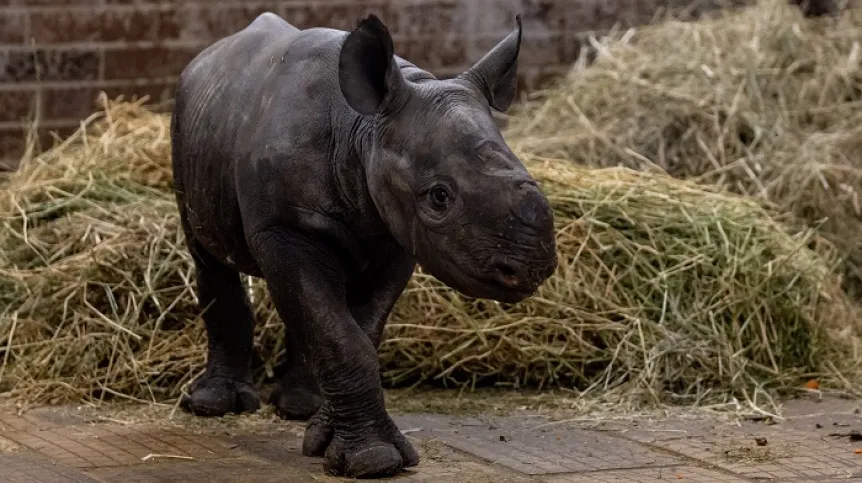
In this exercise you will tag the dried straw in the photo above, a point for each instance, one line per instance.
(666, 291)
(761, 101)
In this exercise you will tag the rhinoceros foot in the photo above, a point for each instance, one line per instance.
(295, 403)
(378, 450)
(218, 395)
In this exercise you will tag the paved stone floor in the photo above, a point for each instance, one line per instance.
(817, 441)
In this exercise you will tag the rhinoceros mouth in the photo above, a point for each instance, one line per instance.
(487, 287)
(492, 289)
(481, 280)
(480, 286)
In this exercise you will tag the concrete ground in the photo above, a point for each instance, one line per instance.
(816, 441)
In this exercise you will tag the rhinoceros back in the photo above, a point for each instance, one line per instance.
(215, 104)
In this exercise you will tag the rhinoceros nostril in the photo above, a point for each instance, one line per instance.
(506, 273)
(506, 269)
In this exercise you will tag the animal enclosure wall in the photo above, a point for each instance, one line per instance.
(56, 55)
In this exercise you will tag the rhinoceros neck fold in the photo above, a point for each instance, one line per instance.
(362, 131)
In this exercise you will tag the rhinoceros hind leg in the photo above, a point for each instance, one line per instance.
(226, 386)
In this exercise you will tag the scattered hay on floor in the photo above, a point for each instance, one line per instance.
(760, 100)
(666, 292)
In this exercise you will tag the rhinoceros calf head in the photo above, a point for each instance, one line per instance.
(440, 173)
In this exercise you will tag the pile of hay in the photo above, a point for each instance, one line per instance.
(665, 291)
(761, 101)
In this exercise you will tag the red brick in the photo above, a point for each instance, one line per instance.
(47, 3)
(16, 105)
(104, 25)
(13, 142)
(432, 52)
(49, 65)
(534, 78)
(134, 63)
(273, 3)
(207, 23)
(537, 50)
(434, 17)
(62, 129)
(71, 104)
(343, 16)
(530, 78)
(12, 26)
(12, 147)
(301, 16)
(538, 16)
(157, 92)
(606, 16)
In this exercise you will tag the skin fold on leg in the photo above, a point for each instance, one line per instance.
(309, 291)
(371, 301)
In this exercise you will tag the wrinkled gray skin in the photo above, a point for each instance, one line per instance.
(320, 161)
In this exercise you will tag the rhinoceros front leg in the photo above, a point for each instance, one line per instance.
(308, 286)
(296, 395)
(226, 385)
(371, 300)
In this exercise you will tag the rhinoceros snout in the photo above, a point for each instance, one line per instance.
(532, 208)
(531, 256)
(521, 276)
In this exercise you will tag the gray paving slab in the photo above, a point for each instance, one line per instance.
(516, 444)
(787, 454)
(814, 442)
(649, 475)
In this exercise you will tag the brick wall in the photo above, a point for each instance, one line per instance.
(56, 55)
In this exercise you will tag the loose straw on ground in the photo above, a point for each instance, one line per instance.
(666, 292)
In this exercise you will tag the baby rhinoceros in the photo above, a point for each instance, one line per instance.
(325, 164)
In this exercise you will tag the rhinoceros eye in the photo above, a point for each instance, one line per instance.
(439, 197)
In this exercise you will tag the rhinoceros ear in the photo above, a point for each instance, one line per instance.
(367, 72)
(496, 74)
